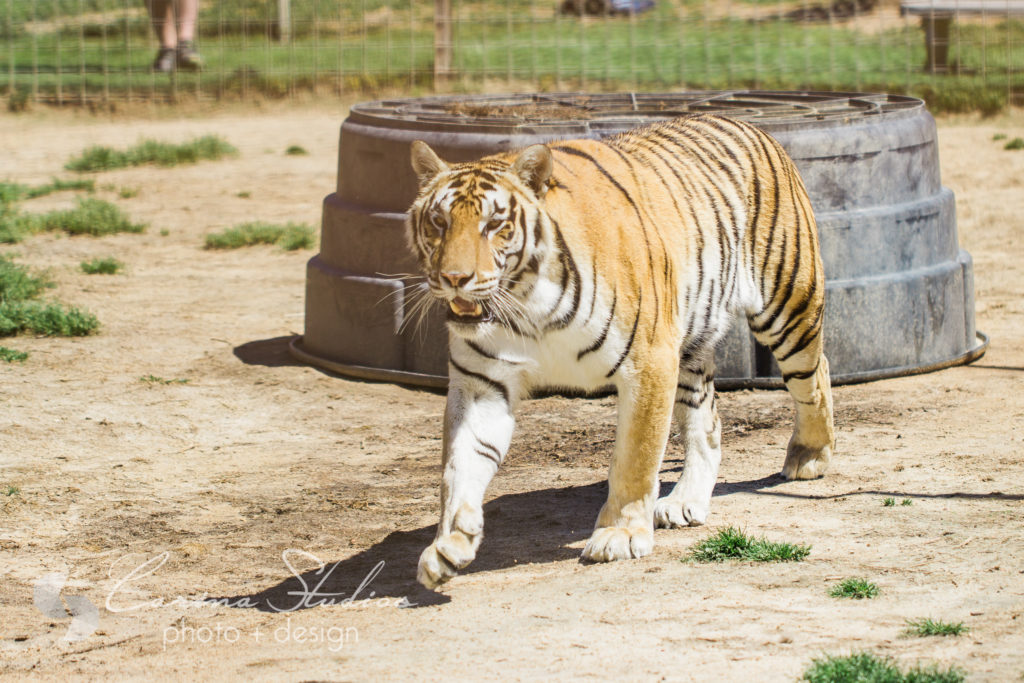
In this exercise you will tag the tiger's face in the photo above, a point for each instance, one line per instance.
(469, 228)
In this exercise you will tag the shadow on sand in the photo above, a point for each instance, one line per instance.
(387, 569)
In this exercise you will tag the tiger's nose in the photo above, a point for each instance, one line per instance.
(457, 279)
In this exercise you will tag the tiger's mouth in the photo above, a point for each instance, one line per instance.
(463, 311)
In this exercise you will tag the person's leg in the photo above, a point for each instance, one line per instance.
(161, 14)
(188, 11)
(188, 56)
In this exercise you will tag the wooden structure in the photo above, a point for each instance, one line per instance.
(937, 16)
(442, 40)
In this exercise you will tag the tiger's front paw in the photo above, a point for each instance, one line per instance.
(675, 513)
(611, 543)
(449, 553)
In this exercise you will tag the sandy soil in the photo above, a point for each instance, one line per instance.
(259, 470)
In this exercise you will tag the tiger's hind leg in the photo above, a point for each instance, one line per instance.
(696, 414)
(810, 448)
(805, 371)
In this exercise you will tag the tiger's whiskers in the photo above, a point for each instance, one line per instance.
(421, 300)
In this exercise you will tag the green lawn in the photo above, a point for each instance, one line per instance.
(338, 49)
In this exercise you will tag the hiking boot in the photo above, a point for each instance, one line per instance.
(188, 57)
(164, 61)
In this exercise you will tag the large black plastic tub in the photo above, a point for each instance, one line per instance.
(900, 295)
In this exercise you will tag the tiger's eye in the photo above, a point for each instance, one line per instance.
(493, 224)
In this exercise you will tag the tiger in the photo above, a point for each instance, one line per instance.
(617, 264)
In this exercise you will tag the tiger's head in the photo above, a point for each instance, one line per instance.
(473, 227)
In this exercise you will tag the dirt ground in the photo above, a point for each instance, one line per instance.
(241, 482)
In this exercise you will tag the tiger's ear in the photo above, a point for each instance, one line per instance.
(426, 163)
(533, 166)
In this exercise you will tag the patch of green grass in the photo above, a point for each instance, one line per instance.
(854, 588)
(101, 266)
(290, 237)
(15, 226)
(733, 544)
(13, 192)
(128, 192)
(164, 232)
(888, 502)
(906, 502)
(245, 235)
(998, 136)
(89, 217)
(865, 667)
(17, 283)
(12, 491)
(245, 194)
(58, 185)
(99, 158)
(45, 319)
(296, 151)
(1014, 144)
(21, 313)
(12, 356)
(153, 379)
(297, 237)
(675, 46)
(930, 627)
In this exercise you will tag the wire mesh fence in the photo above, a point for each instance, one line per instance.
(958, 54)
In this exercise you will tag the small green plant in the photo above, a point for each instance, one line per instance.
(930, 627)
(17, 283)
(296, 237)
(19, 312)
(888, 502)
(12, 356)
(244, 194)
(12, 491)
(998, 136)
(854, 588)
(153, 379)
(98, 158)
(1016, 143)
(296, 151)
(101, 266)
(290, 237)
(18, 101)
(866, 667)
(15, 226)
(733, 544)
(906, 502)
(90, 217)
(128, 192)
(45, 319)
(164, 232)
(12, 192)
(58, 185)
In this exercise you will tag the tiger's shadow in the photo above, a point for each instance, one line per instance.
(554, 517)
(521, 528)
